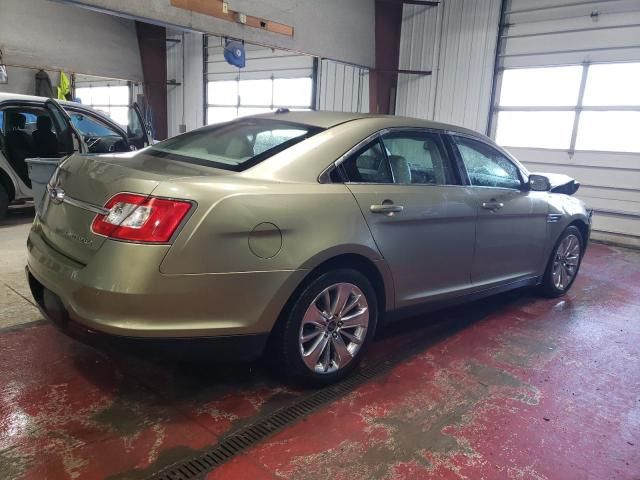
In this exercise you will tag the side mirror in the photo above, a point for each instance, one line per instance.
(539, 183)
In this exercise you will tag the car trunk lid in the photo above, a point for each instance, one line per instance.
(81, 187)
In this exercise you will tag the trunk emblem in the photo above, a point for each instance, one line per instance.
(57, 195)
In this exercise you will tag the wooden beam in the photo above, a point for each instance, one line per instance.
(215, 8)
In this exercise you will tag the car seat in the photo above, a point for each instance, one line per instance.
(18, 145)
(45, 142)
(400, 168)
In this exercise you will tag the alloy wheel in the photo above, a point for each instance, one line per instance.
(565, 262)
(334, 328)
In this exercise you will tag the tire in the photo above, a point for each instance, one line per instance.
(4, 202)
(332, 349)
(564, 263)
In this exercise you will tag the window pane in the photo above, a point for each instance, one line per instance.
(368, 166)
(292, 92)
(87, 126)
(84, 94)
(535, 129)
(118, 95)
(612, 85)
(486, 166)
(534, 87)
(221, 114)
(120, 115)
(223, 93)
(255, 92)
(417, 159)
(609, 131)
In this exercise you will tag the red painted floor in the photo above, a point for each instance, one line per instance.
(510, 387)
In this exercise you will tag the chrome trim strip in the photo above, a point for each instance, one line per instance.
(85, 206)
(554, 217)
(79, 203)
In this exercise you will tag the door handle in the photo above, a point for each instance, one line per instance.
(492, 205)
(388, 209)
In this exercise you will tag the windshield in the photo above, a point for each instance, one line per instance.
(236, 145)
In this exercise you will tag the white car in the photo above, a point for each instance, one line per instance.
(39, 127)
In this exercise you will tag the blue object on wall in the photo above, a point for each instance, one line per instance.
(234, 53)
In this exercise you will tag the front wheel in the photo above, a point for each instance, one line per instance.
(564, 263)
(329, 328)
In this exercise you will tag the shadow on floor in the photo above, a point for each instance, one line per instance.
(18, 215)
(180, 374)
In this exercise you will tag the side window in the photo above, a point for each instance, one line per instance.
(486, 166)
(369, 165)
(89, 127)
(418, 158)
(99, 136)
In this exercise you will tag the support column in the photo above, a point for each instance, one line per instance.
(383, 81)
(153, 55)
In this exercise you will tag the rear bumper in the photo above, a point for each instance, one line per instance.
(133, 299)
(237, 348)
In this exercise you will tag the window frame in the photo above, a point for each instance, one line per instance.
(325, 176)
(107, 122)
(238, 105)
(522, 172)
(577, 109)
(106, 108)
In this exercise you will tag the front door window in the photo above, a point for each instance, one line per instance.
(486, 166)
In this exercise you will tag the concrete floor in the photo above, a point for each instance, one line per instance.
(509, 387)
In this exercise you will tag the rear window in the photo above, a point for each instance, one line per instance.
(236, 145)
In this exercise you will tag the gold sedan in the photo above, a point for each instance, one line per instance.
(304, 230)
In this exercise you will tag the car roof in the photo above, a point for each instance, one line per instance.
(332, 119)
(33, 98)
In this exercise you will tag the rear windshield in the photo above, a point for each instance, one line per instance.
(236, 145)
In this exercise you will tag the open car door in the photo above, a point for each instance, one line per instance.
(69, 139)
(138, 131)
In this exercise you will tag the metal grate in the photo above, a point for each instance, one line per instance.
(196, 467)
(249, 436)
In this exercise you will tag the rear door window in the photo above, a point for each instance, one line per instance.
(418, 158)
(369, 165)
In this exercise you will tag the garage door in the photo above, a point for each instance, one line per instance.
(567, 100)
(271, 79)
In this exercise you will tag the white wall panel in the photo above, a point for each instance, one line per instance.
(342, 88)
(457, 41)
(185, 102)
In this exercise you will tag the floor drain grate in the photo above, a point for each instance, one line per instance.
(251, 435)
(245, 438)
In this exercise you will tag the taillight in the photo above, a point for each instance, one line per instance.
(138, 218)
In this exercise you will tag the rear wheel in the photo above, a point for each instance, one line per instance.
(564, 263)
(328, 328)
(4, 202)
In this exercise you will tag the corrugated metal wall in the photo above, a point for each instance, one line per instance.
(565, 32)
(457, 41)
(185, 104)
(342, 87)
